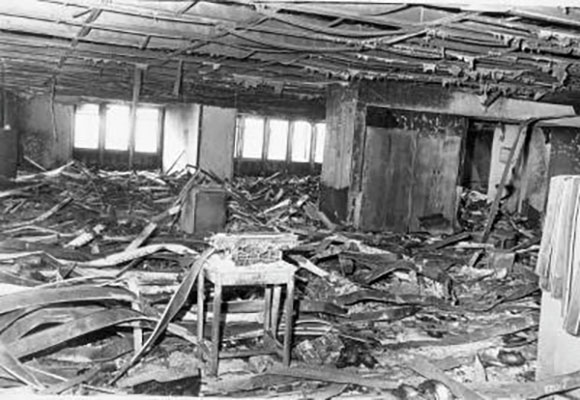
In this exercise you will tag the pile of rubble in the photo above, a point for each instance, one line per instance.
(275, 203)
(96, 282)
(509, 229)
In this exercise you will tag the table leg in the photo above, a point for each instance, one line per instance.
(289, 306)
(200, 306)
(267, 309)
(276, 309)
(215, 330)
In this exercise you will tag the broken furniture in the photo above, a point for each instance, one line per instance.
(248, 260)
(204, 210)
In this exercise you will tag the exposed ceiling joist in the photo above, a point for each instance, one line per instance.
(284, 49)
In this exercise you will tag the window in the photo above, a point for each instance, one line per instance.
(86, 129)
(102, 135)
(278, 139)
(146, 130)
(320, 130)
(301, 138)
(265, 138)
(253, 137)
(117, 127)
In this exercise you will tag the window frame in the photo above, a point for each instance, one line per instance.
(266, 138)
(307, 142)
(241, 131)
(269, 133)
(101, 150)
(158, 130)
(74, 126)
(315, 139)
(108, 107)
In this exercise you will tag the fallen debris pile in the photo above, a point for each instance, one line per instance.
(96, 297)
(508, 231)
(276, 203)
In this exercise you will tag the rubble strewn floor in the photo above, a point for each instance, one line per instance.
(90, 261)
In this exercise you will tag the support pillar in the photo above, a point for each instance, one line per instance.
(343, 153)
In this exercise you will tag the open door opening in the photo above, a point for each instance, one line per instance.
(477, 155)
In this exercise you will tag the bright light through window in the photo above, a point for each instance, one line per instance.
(301, 141)
(320, 135)
(117, 129)
(253, 139)
(278, 143)
(87, 127)
(146, 130)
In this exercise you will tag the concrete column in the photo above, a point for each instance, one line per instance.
(343, 153)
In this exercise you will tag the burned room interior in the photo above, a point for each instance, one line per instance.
(289, 199)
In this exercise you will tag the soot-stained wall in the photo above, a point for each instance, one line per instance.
(46, 130)
(410, 170)
(426, 124)
(181, 136)
(216, 145)
(565, 151)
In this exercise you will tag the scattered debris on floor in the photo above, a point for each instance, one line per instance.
(97, 296)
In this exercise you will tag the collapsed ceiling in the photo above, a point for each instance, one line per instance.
(233, 52)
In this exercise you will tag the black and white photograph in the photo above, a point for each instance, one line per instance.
(289, 200)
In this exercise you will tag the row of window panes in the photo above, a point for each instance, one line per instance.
(86, 130)
(252, 139)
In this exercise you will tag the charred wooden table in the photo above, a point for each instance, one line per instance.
(273, 276)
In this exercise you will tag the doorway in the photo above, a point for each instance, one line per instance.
(477, 155)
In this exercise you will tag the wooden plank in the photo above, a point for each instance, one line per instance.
(545, 254)
(571, 298)
(560, 263)
(326, 374)
(447, 241)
